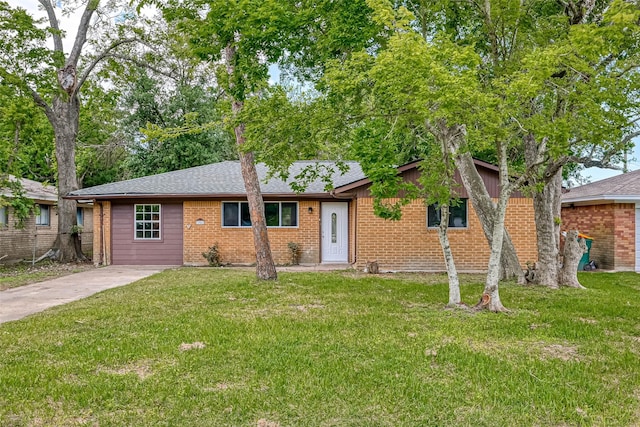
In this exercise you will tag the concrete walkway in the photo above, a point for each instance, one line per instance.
(20, 302)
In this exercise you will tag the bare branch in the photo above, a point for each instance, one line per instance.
(53, 21)
(629, 137)
(100, 57)
(169, 74)
(81, 36)
(587, 162)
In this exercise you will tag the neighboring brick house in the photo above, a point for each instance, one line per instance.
(41, 228)
(609, 211)
(172, 218)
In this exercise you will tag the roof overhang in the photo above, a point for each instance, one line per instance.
(600, 200)
(402, 169)
(217, 196)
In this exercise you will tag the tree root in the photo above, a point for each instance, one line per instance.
(486, 303)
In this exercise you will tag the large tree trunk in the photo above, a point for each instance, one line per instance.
(265, 267)
(486, 210)
(452, 272)
(574, 248)
(65, 126)
(546, 205)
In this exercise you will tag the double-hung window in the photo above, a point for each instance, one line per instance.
(277, 214)
(43, 216)
(147, 222)
(457, 215)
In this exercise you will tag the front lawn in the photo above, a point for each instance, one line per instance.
(20, 274)
(212, 347)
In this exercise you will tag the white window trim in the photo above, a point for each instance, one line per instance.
(451, 227)
(269, 226)
(159, 221)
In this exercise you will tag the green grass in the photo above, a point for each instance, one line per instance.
(334, 349)
(20, 274)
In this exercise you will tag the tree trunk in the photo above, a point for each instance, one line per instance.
(490, 299)
(486, 211)
(265, 267)
(65, 126)
(452, 272)
(574, 248)
(546, 204)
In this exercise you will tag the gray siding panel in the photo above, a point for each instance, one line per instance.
(125, 250)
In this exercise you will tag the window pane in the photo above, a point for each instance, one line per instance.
(43, 217)
(458, 214)
(3, 215)
(433, 216)
(230, 214)
(289, 214)
(147, 221)
(334, 227)
(271, 213)
(245, 217)
(79, 216)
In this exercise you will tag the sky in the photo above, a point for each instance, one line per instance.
(71, 22)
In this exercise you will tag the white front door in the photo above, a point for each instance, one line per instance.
(638, 238)
(335, 232)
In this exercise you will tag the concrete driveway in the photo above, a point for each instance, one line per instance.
(20, 302)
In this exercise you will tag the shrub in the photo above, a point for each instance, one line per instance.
(212, 255)
(294, 253)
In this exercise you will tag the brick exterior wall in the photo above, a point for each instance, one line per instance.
(396, 245)
(409, 245)
(612, 227)
(18, 243)
(236, 243)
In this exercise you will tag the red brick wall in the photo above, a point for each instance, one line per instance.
(236, 244)
(409, 245)
(612, 227)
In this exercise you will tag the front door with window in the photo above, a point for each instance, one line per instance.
(335, 232)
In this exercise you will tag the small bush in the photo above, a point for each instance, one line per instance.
(212, 255)
(294, 253)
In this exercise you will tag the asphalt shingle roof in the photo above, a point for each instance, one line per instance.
(620, 187)
(224, 178)
(35, 190)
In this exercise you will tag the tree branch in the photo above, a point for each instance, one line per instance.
(168, 74)
(99, 58)
(40, 102)
(53, 21)
(81, 36)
